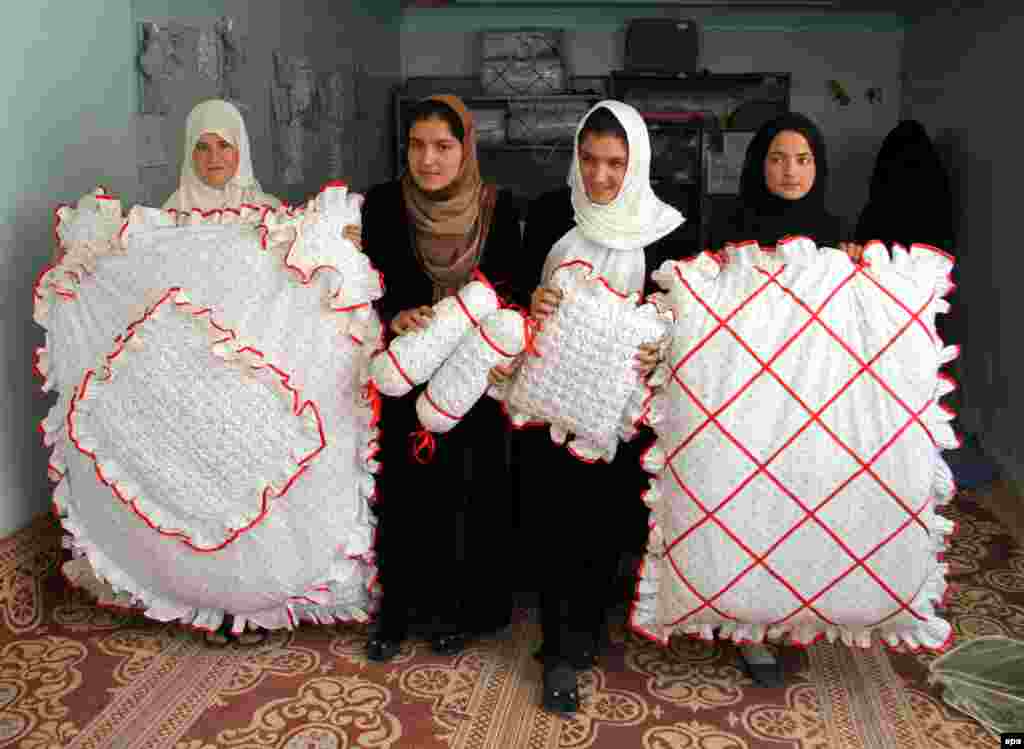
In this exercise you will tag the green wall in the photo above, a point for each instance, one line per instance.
(68, 69)
(68, 89)
(594, 16)
(180, 8)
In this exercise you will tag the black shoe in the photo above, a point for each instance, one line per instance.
(452, 643)
(561, 692)
(768, 675)
(584, 660)
(492, 628)
(382, 649)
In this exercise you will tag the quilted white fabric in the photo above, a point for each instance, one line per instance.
(798, 461)
(462, 380)
(584, 381)
(214, 436)
(412, 358)
(96, 218)
(312, 238)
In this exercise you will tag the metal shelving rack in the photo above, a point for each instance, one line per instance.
(727, 100)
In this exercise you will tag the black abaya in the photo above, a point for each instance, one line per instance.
(584, 515)
(445, 527)
(910, 199)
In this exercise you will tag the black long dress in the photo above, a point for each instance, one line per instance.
(911, 200)
(445, 528)
(583, 516)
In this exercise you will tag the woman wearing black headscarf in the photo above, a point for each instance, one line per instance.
(782, 189)
(910, 199)
(782, 193)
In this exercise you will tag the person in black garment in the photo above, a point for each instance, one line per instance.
(910, 199)
(782, 193)
(549, 217)
(445, 526)
(782, 189)
(585, 515)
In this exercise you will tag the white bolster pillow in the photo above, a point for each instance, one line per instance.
(462, 379)
(413, 357)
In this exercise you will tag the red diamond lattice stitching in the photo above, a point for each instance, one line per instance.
(798, 460)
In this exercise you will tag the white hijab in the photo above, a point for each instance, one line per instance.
(611, 238)
(637, 217)
(221, 118)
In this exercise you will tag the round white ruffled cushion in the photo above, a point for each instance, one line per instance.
(214, 435)
(798, 461)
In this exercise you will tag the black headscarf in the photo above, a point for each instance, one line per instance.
(759, 214)
(910, 199)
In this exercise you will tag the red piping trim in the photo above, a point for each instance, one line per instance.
(430, 400)
(394, 360)
(297, 410)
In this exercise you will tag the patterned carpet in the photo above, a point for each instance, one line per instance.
(75, 675)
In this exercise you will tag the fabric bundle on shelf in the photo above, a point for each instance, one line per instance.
(544, 121)
(521, 62)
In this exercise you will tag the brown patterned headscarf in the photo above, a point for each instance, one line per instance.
(450, 225)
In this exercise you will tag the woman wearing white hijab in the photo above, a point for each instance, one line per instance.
(216, 171)
(216, 168)
(610, 217)
(616, 212)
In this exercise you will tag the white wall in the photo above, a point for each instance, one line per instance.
(859, 54)
(960, 84)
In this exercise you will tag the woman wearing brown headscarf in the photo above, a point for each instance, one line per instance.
(444, 526)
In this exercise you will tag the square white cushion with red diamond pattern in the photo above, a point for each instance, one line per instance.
(798, 457)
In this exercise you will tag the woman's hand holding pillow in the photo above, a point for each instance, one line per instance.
(410, 319)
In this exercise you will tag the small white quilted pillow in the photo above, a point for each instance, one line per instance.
(584, 382)
(412, 358)
(462, 379)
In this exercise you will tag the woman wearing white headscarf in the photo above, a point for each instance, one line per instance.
(216, 171)
(609, 217)
(216, 168)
